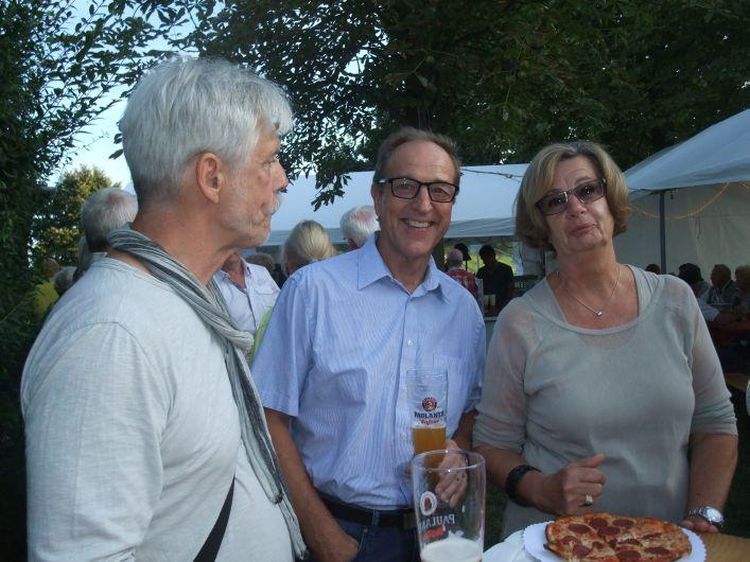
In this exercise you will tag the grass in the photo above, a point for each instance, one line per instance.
(736, 512)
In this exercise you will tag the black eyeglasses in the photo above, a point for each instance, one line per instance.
(407, 188)
(557, 201)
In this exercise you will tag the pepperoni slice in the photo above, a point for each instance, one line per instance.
(569, 538)
(624, 523)
(608, 531)
(580, 550)
(598, 522)
(628, 555)
(657, 550)
(579, 528)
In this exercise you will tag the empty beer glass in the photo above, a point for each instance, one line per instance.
(449, 492)
(427, 391)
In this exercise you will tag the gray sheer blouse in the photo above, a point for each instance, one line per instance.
(556, 393)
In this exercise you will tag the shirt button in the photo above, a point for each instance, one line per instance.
(409, 343)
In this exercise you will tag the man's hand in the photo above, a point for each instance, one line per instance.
(333, 545)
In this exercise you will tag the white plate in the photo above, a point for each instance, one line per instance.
(510, 550)
(534, 540)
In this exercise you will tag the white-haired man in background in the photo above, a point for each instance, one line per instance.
(144, 436)
(357, 224)
(103, 212)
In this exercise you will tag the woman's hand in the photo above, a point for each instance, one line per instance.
(698, 524)
(572, 490)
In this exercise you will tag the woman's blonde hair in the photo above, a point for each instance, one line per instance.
(307, 242)
(531, 224)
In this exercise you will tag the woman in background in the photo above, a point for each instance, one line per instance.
(603, 377)
(308, 242)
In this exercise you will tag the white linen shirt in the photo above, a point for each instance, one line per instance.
(132, 433)
(334, 358)
(248, 306)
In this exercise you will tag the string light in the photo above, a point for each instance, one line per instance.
(503, 174)
(692, 212)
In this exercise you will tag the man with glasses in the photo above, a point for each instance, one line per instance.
(331, 369)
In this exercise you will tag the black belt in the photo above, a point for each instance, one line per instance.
(403, 518)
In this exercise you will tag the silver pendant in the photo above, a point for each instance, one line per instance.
(599, 313)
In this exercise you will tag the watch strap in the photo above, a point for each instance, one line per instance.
(512, 480)
(703, 511)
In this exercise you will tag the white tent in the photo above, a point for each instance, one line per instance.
(703, 187)
(483, 208)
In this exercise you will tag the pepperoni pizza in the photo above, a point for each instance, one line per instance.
(602, 537)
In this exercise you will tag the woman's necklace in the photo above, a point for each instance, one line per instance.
(596, 313)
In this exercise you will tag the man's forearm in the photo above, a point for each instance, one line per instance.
(321, 531)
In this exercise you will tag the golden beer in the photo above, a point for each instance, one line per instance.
(428, 437)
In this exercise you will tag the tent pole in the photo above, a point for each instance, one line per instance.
(662, 233)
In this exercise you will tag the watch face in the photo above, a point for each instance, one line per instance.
(712, 515)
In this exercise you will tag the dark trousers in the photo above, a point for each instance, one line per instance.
(379, 539)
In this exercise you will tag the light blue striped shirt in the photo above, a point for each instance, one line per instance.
(334, 358)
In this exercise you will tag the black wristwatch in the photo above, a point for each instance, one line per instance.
(512, 480)
(709, 514)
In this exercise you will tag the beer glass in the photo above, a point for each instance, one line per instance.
(449, 492)
(427, 391)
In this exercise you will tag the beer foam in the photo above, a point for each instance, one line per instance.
(452, 549)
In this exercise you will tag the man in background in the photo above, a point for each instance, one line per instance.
(497, 277)
(723, 290)
(248, 291)
(357, 224)
(144, 437)
(331, 369)
(453, 263)
(103, 212)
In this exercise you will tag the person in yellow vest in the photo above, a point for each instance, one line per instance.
(44, 293)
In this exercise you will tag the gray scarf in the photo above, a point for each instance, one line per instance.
(207, 304)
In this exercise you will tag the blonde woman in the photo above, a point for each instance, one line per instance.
(601, 379)
(308, 242)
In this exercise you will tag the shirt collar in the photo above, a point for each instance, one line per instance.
(371, 268)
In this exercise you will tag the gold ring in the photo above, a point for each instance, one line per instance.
(588, 500)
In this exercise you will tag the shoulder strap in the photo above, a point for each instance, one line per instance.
(210, 548)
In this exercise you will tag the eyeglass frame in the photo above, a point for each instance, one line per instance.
(602, 181)
(426, 184)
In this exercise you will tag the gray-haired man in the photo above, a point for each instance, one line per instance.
(144, 436)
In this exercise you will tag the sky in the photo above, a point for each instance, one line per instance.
(96, 143)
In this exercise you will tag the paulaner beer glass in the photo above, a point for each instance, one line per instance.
(449, 491)
(427, 390)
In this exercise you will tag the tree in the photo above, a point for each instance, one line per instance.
(56, 223)
(501, 77)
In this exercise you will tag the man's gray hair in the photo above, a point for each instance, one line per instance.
(358, 223)
(104, 211)
(455, 258)
(64, 279)
(187, 106)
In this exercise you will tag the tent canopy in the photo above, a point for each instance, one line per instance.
(717, 155)
(702, 185)
(483, 208)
